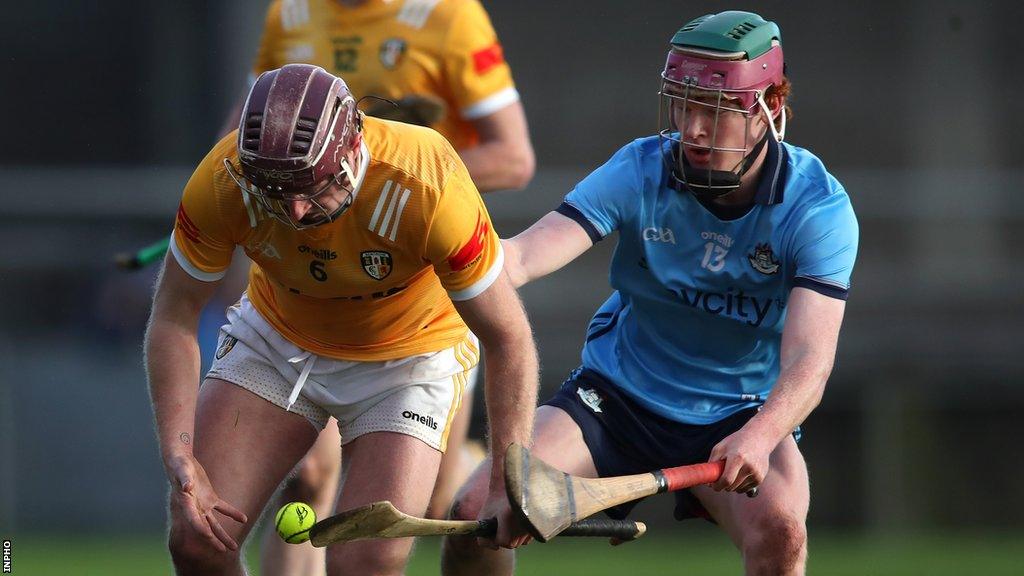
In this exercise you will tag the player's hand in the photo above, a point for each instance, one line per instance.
(194, 502)
(416, 109)
(746, 453)
(511, 533)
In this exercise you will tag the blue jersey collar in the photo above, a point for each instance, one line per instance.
(773, 174)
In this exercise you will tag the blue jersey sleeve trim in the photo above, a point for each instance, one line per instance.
(823, 288)
(596, 330)
(570, 211)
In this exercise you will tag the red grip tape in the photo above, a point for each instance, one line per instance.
(682, 477)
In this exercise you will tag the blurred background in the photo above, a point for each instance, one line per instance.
(108, 106)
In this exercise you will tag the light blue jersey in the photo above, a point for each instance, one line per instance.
(693, 329)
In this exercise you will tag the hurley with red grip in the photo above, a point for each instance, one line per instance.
(681, 477)
(549, 500)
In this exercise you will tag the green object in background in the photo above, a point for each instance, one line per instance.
(143, 257)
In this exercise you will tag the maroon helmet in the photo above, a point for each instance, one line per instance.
(297, 131)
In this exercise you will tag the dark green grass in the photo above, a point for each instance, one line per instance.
(697, 552)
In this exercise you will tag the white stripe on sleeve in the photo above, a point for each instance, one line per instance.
(187, 266)
(482, 284)
(491, 104)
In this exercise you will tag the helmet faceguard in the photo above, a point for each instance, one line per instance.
(298, 131)
(719, 68)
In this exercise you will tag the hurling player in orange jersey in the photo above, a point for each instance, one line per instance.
(376, 279)
(441, 65)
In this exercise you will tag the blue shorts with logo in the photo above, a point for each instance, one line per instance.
(625, 438)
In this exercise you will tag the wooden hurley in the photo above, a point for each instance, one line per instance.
(550, 500)
(383, 520)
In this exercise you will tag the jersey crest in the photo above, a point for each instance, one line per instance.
(391, 52)
(376, 263)
(226, 344)
(591, 398)
(763, 260)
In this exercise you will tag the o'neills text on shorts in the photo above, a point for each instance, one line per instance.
(425, 420)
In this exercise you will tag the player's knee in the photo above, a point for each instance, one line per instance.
(465, 506)
(469, 499)
(776, 545)
(313, 480)
(194, 554)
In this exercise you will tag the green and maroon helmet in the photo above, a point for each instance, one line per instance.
(298, 126)
(721, 63)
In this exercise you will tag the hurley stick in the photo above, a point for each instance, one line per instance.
(550, 500)
(383, 520)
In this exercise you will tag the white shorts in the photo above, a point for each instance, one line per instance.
(418, 395)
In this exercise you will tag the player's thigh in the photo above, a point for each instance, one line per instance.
(246, 445)
(388, 466)
(383, 466)
(783, 497)
(557, 440)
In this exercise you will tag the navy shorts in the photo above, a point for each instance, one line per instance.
(626, 438)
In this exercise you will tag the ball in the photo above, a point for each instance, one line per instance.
(293, 522)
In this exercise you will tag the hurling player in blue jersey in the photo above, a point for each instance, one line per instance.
(730, 279)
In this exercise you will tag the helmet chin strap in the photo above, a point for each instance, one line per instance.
(708, 183)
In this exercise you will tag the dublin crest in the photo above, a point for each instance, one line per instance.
(763, 260)
(591, 398)
(376, 263)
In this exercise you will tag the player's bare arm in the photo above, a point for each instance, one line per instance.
(551, 243)
(172, 365)
(503, 159)
(497, 317)
(808, 351)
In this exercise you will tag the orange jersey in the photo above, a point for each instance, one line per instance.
(378, 282)
(394, 48)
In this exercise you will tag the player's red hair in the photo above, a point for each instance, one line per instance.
(781, 90)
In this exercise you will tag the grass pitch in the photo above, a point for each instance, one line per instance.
(699, 551)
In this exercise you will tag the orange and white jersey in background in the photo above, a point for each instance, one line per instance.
(375, 284)
(394, 48)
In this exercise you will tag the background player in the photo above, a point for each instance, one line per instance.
(439, 60)
(371, 248)
(731, 272)
(442, 64)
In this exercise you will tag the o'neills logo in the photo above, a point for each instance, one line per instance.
(319, 253)
(425, 420)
